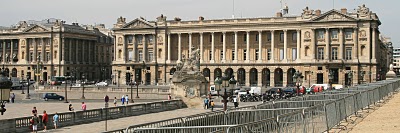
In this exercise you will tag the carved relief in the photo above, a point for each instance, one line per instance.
(121, 20)
(363, 34)
(120, 40)
(55, 41)
(334, 17)
(23, 42)
(36, 29)
(160, 39)
(307, 13)
(307, 35)
(363, 11)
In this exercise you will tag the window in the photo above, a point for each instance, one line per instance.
(233, 54)
(348, 33)
(244, 54)
(269, 37)
(23, 54)
(245, 38)
(221, 55)
(281, 36)
(8, 45)
(130, 54)
(130, 38)
(139, 39)
(210, 55)
(348, 54)
(47, 56)
(211, 38)
(334, 34)
(119, 54)
(222, 38)
(31, 56)
(1, 45)
(269, 54)
(39, 56)
(257, 36)
(15, 45)
(334, 53)
(320, 55)
(151, 55)
(140, 55)
(257, 52)
(281, 54)
(320, 34)
(150, 38)
(294, 37)
(294, 53)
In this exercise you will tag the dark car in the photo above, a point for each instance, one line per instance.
(48, 96)
(273, 94)
(290, 91)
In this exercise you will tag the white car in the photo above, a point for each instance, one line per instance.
(101, 84)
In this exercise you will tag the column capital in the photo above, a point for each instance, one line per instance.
(179, 34)
(212, 33)
(248, 32)
(355, 28)
(224, 32)
(298, 30)
(327, 29)
(201, 33)
(190, 33)
(285, 30)
(235, 32)
(260, 31)
(272, 31)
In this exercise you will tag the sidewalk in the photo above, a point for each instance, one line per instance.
(384, 119)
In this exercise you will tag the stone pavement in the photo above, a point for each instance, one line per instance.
(384, 119)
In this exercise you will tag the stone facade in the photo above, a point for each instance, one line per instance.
(63, 49)
(258, 51)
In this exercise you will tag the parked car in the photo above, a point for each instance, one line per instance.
(48, 96)
(290, 91)
(101, 84)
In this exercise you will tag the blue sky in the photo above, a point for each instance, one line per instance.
(107, 11)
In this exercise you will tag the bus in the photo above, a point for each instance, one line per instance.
(57, 80)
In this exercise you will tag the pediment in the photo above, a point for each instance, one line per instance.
(35, 28)
(334, 15)
(138, 24)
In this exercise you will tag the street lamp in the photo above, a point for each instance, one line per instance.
(5, 89)
(22, 77)
(370, 73)
(38, 71)
(298, 79)
(226, 81)
(28, 77)
(83, 86)
(330, 77)
(137, 84)
(66, 82)
(103, 70)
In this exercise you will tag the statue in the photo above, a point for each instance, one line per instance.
(14, 56)
(363, 11)
(391, 67)
(121, 20)
(7, 58)
(307, 13)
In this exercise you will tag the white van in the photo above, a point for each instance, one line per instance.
(213, 90)
(255, 90)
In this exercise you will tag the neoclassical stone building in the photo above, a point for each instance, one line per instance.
(258, 51)
(62, 49)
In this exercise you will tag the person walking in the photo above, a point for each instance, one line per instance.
(12, 97)
(235, 102)
(169, 97)
(126, 99)
(123, 100)
(115, 101)
(45, 119)
(34, 110)
(212, 105)
(83, 106)
(55, 120)
(35, 122)
(205, 103)
(70, 108)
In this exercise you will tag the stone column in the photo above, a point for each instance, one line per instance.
(35, 50)
(11, 50)
(355, 38)
(44, 49)
(155, 49)
(259, 47)
(134, 48)
(179, 47)
(144, 41)
(190, 43)
(77, 51)
(212, 47)
(84, 52)
(248, 46)
(236, 48)
(285, 45)
(201, 47)
(313, 44)
(4, 50)
(298, 44)
(341, 44)
(272, 46)
(70, 51)
(327, 47)
(373, 44)
(223, 46)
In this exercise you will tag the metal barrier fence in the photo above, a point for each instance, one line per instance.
(311, 113)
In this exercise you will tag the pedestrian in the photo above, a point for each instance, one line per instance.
(126, 99)
(34, 110)
(70, 108)
(212, 105)
(169, 97)
(12, 97)
(123, 99)
(235, 102)
(55, 120)
(205, 103)
(83, 106)
(115, 101)
(45, 119)
(35, 122)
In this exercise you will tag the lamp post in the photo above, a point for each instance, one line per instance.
(330, 77)
(66, 96)
(23, 76)
(103, 70)
(137, 84)
(83, 86)
(5, 89)
(309, 78)
(28, 77)
(370, 73)
(226, 81)
(298, 79)
(38, 71)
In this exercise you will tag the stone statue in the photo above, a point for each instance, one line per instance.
(307, 13)
(121, 20)
(14, 56)
(391, 67)
(363, 11)
(7, 58)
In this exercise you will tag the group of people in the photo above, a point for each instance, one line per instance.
(208, 103)
(71, 108)
(124, 100)
(35, 120)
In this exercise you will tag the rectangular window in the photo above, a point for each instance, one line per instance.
(348, 54)
(31, 56)
(294, 37)
(130, 54)
(210, 38)
(269, 54)
(233, 54)
(222, 38)
(281, 54)
(294, 53)
(320, 55)
(269, 37)
(150, 38)
(151, 55)
(334, 34)
(47, 56)
(334, 53)
(348, 33)
(8, 45)
(245, 38)
(257, 52)
(210, 56)
(15, 45)
(321, 34)
(281, 37)
(130, 38)
(139, 39)
(140, 55)
(221, 56)
(244, 54)
(257, 36)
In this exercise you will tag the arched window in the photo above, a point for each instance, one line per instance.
(119, 54)
(306, 51)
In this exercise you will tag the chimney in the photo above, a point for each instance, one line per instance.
(318, 12)
(279, 14)
(343, 10)
(201, 18)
